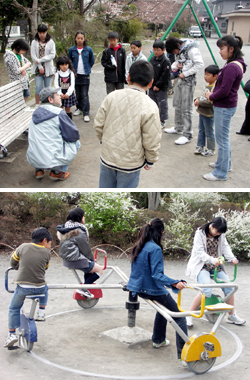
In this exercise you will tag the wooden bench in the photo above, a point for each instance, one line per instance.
(15, 116)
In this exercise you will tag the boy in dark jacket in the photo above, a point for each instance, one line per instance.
(114, 60)
(159, 91)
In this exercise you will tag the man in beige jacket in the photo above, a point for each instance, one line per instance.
(128, 127)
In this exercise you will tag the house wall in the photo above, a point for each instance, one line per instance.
(240, 26)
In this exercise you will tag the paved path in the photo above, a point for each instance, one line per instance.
(177, 167)
(74, 339)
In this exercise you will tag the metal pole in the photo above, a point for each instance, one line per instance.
(132, 305)
(172, 24)
(203, 34)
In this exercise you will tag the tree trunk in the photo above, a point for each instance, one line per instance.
(81, 7)
(33, 19)
(153, 201)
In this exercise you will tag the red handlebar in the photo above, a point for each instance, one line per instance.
(105, 257)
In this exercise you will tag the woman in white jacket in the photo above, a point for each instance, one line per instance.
(42, 53)
(210, 243)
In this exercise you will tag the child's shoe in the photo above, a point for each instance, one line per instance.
(163, 124)
(233, 318)
(199, 150)
(184, 364)
(163, 344)
(189, 321)
(208, 152)
(11, 340)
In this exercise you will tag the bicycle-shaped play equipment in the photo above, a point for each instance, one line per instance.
(215, 299)
(200, 350)
(27, 333)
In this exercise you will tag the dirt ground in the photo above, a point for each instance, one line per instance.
(71, 345)
(177, 167)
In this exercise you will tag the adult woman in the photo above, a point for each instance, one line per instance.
(42, 53)
(16, 64)
(75, 249)
(148, 280)
(224, 98)
(210, 243)
(82, 57)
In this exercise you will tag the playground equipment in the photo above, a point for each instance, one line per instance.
(200, 350)
(216, 299)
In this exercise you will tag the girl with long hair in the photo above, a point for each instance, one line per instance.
(224, 98)
(148, 280)
(210, 243)
(42, 53)
(82, 58)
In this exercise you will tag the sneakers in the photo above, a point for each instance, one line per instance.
(40, 173)
(11, 340)
(189, 321)
(182, 140)
(208, 152)
(163, 344)
(199, 150)
(85, 293)
(172, 130)
(40, 318)
(233, 318)
(86, 118)
(212, 164)
(211, 177)
(77, 112)
(61, 176)
(184, 364)
(163, 124)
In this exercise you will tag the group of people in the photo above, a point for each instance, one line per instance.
(128, 123)
(147, 278)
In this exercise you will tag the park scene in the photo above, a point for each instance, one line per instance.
(23, 164)
(108, 334)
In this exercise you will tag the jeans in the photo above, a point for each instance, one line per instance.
(204, 277)
(82, 93)
(222, 118)
(110, 87)
(111, 178)
(206, 131)
(18, 300)
(160, 323)
(183, 104)
(40, 81)
(161, 99)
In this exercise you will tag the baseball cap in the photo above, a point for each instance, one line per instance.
(46, 92)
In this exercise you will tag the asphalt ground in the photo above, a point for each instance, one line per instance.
(177, 167)
(71, 344)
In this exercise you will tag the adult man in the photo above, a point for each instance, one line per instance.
(188, 62)
(53, 137)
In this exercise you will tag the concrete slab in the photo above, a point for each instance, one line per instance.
(71, 343)
(128, 335)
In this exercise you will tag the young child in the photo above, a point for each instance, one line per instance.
(113, 60)
(65, 79)
(134, 56)
(75, 249)
(16, 64)
(206, 114)
(189, 61)
(31, 260)
(159, 91)
(82, 58)
(128, 126)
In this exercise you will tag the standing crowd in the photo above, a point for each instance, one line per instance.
(128, 123)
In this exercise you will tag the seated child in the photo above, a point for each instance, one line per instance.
(135, 55)
(75, 249)
(31, 260)
(206, 114)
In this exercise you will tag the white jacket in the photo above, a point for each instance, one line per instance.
(128, 126)
(190, 58)
(199, 255)
(50, 53)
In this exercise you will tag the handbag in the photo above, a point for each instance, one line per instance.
(246, 87)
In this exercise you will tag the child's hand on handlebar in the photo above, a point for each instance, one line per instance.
(234, 261)
(180, 285)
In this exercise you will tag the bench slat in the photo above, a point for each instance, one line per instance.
(16, 129)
